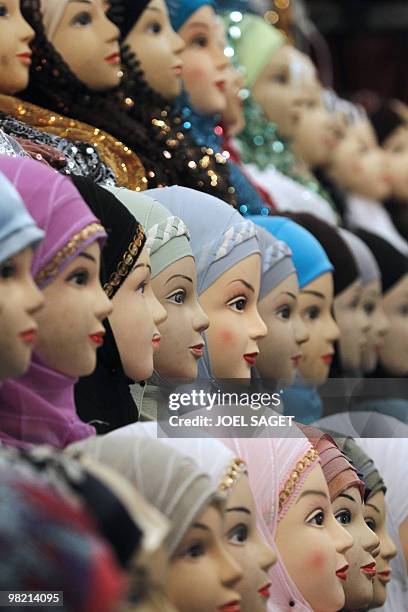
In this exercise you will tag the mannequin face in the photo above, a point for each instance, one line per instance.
(395, 360)
(88, 43)
(358, 165)
(396, 148)
(358, 588)
(75, 306)
(315, 134)
(235, 324)
(372, 304)
(158, 47)
(374, 512)
(15, 53)
(312, 545)
(353, 323)
(203, 576)
(233, 119)
(20, 300)
(182, 342)
(137, 310)
(247, 547)
(282, 88)
(204, 61)
(315, 306)
(281, 349)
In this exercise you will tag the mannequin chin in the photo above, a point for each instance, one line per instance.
(134, 320)
(204, 71)
(353, 323)
(202, 574)
(358, 164)
(75, 306)
(396, 148)
(394, 351)
(372, 303)
(88, 43)
(158, 47)
(176, 289)
(247, 547)
(20, 300)
(315, 306)
(235, 324)
(358, 588)
(282, 88)
(281, 349)
(374, 511)
(312, 545)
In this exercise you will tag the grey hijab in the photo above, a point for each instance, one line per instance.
(277, 261)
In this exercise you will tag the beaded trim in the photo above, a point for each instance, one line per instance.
(231, 475)
(291, 482)
(125, 265)
(51, 270)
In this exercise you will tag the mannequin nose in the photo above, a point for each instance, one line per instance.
(300, 330)
(388, 548)
(158, 311)
(371, 541)
(178, 44)
(201, 321)
(258, 329)
(230, 571)
(333, 330)
(36, 298)
(103, 306)
(343, 540)
(268, 558)
(112, 31)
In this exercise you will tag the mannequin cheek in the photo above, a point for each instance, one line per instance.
(227, 336)
(317, 561)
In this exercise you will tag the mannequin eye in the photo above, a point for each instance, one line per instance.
(281, 78)
(154, 27)
(238, 303)
(370, 523)
(194, 551)
(3, 10)
(178, 297)
(313, 312)
(284, 312)
(142, 287)
(403, 310)
(7, 269)
(79, 277)
(200, 41)
(354, 303)
(239, 534)
(369, 307)
(343, 517)
(82, 19)
(317, 518)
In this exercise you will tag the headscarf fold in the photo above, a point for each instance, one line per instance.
(308, 255)
(392, 263)
(277, 263)
(104, 397)
(39, 408)
(53, 12)
(219, 236)
(17, 228)
(365, 260)
(168, 480)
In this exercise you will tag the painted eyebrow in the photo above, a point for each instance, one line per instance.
(315, 293)
(198, 24)
(347, 497)
(87, 256)
(240, 280)
(289, 293)
(200, 526)
(372, 506)
(312, 492)
(187, 278)
(141, 265)
(80, 1)
(239, 509)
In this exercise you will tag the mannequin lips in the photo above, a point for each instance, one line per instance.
(25, 58)
(295, 359)
(265, 590)
(328, 358)
(114, 59)
(231, 606)
(369, 569)
(384, 576)
(97, 338)
(198, 350)
(156, 341)
(250, 358)
(178, 69)
(220, 85)
(29, 336)
(342, 572)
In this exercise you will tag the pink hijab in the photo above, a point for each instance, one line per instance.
(39, 408)
(270, 463)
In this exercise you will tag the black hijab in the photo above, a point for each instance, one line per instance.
(104, 397)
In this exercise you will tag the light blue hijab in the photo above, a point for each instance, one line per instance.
(17, 228)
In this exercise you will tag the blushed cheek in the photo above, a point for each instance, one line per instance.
(226, 336)
(317, 561)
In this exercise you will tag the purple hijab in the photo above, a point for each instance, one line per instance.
(38, 408)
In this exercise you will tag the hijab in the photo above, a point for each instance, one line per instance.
(52, 544)
(181, 10)
(168, 480)
(392, 263)
(308, 255)
(17, 228)
(104, 397)
(39, 406)
(277, 263)
(367, 266)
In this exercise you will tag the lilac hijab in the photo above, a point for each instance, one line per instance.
(39, 408)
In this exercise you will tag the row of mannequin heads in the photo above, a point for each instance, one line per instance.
(287, 89)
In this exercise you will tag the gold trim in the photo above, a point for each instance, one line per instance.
(125, 164)
(291, 482)
(52, 269)
(234, 470)
(125, 265)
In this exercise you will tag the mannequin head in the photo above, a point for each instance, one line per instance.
(15, 53)
(158, 48)
(372, 304)
(233, 120)
(374, 511)
(228, 263)
(204, 70)
(354, 324)
(358, 164)
(284, 87)
(72, 27)
(396, 151)
(316, 553)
